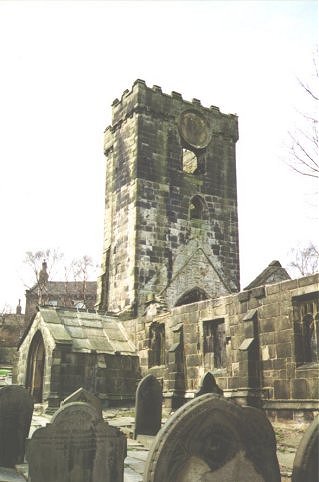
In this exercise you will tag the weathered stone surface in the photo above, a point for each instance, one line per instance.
(306, 462)
(16, 408)
(209, 385)
(211, 439)
(148, 406)
(78, 446)
(82, 395)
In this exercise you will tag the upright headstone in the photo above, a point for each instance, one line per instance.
(16, 408)
(209, 385)
(210, 439)
(148, 406)
(306, 462)
(78, 446)
(82, 395)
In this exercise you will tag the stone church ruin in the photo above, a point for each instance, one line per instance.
(169, 302)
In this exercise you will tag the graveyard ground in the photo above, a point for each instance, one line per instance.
(288, 434)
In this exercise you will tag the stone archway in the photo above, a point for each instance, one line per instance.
(35, 367)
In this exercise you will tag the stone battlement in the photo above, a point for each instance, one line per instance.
(152, 101)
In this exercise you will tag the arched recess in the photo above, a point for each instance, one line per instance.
(35, 368)
(197, 208)
(191, 296)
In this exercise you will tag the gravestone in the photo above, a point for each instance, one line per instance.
(16, 408)
(210, 439)
(78, 446)
(306, 466)
(209, 385)
(82, 395)
(148, 406)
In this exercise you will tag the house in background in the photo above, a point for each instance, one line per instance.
(67, 294)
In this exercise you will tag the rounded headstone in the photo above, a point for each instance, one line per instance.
(306, 466)
(211, 439)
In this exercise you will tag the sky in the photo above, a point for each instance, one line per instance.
(63, 63)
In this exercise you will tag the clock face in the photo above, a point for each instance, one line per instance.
(194, 129)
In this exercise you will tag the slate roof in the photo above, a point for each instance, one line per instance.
(272, 274)
(86, 331)
(68, 287)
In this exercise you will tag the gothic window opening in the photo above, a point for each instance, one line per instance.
(156, 345)
(196, 208)
(307, 330)
(190, 162)
(214, 346)
(192, 296)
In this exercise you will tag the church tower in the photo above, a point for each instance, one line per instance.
(171, 228)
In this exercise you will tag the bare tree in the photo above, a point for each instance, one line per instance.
(305, 260)
(79, 270)
(41, 262)
(303, 150)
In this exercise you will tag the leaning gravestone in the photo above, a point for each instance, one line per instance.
(16, 408)
(148, 406)
(210, 439)
(82, 395)
(306, 466)
(78, 446)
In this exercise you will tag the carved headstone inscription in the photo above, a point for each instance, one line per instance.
(210, 439)
(82, 395)
(16, 408)
(306, 462)
(78, 446)
(148, 406)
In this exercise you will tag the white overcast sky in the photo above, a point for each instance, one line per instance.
(63, 63)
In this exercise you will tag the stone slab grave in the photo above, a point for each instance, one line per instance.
(16, 408)
(210, 439)
(148, 407)
(306, 462)
(82, 395)
(77, 446)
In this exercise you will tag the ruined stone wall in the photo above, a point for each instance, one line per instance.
(261, 364)
(152, 227)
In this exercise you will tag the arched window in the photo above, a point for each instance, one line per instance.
(196, 208)
(189, 162)
(196, 294)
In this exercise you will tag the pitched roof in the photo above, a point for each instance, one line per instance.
(68, 288)
(87, 332)
(272, 274)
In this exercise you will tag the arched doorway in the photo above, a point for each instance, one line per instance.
(35, 368)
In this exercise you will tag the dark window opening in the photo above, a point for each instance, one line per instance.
(196, 208)
(192, 296)
(307, 330)
(214, 344)
(156, 345)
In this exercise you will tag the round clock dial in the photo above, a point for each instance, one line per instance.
(194, 129)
